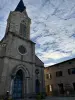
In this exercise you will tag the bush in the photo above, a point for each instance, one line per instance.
(41, 96)
(38, 97)
(55, 93)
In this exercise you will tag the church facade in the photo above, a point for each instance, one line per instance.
(21, 71)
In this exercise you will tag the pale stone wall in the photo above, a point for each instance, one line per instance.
(65, 78)
(9, 65)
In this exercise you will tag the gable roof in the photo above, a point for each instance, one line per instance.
(38, 62)
(58, 64)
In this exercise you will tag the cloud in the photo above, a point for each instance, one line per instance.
(49, 64)
(55, 55)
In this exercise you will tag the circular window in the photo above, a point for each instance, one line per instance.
(22, 49)
(37, 71)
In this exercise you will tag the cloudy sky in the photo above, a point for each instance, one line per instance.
(52, 28)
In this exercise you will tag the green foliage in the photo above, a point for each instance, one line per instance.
(3, 98)
(10, 99)
(40, 96)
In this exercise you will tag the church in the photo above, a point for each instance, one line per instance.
(21, 71)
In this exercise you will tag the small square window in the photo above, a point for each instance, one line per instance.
(74, 86)
(50, 88)
(70, 62)
(50, 76)
(58, 73)
(71, 71)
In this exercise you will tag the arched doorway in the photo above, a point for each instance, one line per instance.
(18, 85)
(37, 86)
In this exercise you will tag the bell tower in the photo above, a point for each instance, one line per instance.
(18, 21)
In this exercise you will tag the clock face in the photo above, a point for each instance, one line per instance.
(22, 49)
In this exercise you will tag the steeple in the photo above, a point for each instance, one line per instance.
(19, 22)
(20, 7)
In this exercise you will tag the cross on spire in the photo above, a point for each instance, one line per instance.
(20, 7)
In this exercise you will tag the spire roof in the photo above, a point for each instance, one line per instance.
(20, 7)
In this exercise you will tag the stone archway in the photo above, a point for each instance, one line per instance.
(17, 91)
(19, 74)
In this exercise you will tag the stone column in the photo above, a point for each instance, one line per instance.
(25, 88)
(11, 87)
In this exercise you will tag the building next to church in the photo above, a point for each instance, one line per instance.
(21, 71)
(60, 78)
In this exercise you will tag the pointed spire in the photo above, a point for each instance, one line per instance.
(20, 7)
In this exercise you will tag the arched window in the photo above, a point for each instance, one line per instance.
(23, 29)
(37, 86)
(18, 85)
